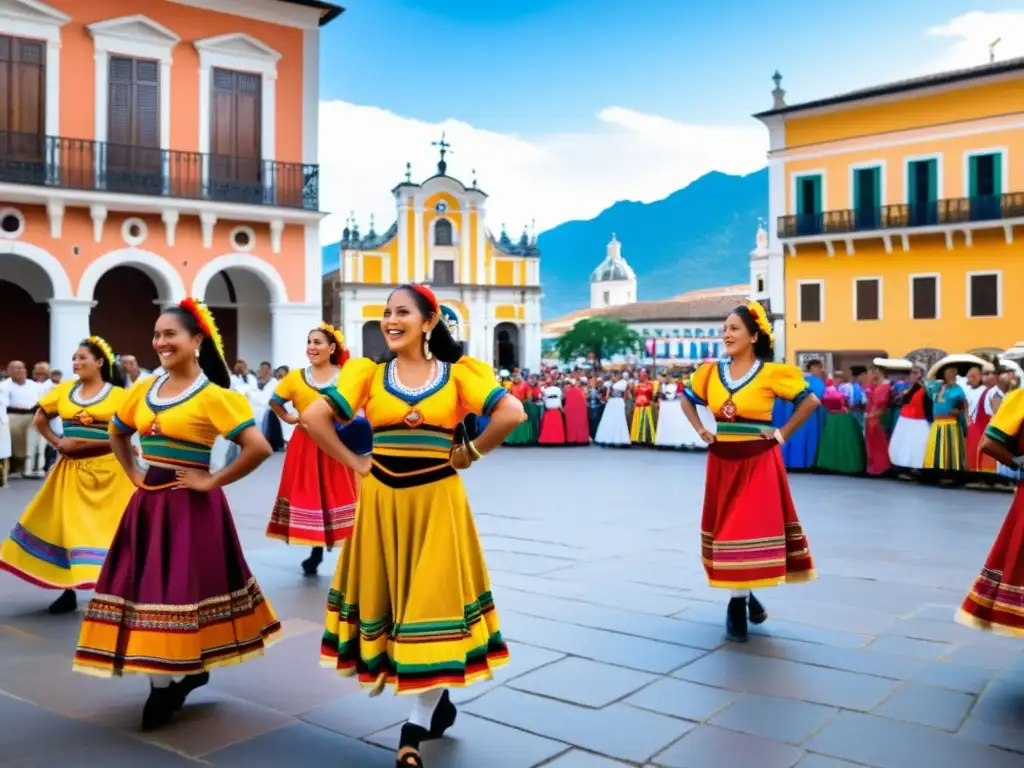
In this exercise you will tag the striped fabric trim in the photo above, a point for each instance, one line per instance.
(276, 398)
(338, 403)
(692, 396)
(167, 450)
(54, 554)
(492, 400)
(120, 427)
(801, 396)
(95, 431)
(234, 433)
(741, 428)
(1007, 441)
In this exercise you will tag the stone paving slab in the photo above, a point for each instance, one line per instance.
(617, 643)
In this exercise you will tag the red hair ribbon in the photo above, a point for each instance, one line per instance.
(427, 294)
(191, 306)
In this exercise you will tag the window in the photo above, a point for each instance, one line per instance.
(924, 297)
(760, 284)
(807, 199)
(867, 197)
(923, 191)
(983, 294)
(235, 136)
(867, 298)
(810, 302)
(444, 273)
(607, 298)
(985, 185)
(23, 101)
(443, 234)
(134, 160)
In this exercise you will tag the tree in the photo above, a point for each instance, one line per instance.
(600, 336)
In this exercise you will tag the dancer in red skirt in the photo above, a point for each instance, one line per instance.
(750, 533)
(316, 500)
(577, 425)
(552, 423)
(996, 600)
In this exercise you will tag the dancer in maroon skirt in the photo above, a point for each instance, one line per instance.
(996, 600)
(750, 533)
(316, 499)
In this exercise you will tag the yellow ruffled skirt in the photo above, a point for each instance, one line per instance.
(410, 605)
(62, 538)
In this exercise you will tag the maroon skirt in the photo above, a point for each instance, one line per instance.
(996, 600)
(175, 595)
(750, 533)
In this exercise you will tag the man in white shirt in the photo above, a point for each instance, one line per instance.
(22, 397)
(242, 379)
(40, 455)
(131, 369)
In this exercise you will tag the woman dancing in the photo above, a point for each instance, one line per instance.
(175, 597)
(994, 602)
(411, 603)
(316, 500)
(61, 540)
(750, 533)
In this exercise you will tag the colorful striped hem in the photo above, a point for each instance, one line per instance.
(692, 396)
(234, 433)
(338, 403)
(54, 554)
(492, 400)
(118, 427)
(43, 583)
(1007, 441)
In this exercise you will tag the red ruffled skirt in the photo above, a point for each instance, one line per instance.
(552, 427)
(316, 499)
(577, 423)
(750, 533)
(996, 600)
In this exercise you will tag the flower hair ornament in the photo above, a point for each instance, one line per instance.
(104, 347)
(761, 319)
(334, 333)
(205, 321)
(427, 294)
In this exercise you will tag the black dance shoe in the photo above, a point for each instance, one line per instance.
(736, 620)
(443, 717)
(188, 684)
(160, 707)
(66, 603)
(756, 611)
(409, 746)
(312, 563)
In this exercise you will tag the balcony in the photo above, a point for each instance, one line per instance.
(902, 219)
(94, 166)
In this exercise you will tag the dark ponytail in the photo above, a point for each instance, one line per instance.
(336, 357)
(111, 374)
(442, 344)
(762, 344)
(211, 362)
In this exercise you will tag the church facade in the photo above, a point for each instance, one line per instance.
(489, 287)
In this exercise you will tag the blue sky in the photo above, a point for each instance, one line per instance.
(543, 73)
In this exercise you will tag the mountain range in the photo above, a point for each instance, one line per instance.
(698, 237)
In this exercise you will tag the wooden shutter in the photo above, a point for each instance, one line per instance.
(134, 162)
(925, 290)
(984, 295)
(22, 98)
(236, 140)
(867, 300)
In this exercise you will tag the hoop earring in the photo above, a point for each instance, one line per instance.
(426, 347)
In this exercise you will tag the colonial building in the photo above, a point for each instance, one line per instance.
(683, 330)
(489, 286)
(154, 150)
(896, 210)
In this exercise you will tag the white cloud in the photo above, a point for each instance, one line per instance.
(627, 155)
(973, 32)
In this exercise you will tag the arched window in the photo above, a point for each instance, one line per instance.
(443, 232)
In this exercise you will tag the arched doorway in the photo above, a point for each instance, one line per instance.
(128, 302)
(506, 346)
(241, 301)
(25, 289)
(926, 357)
(374, 345)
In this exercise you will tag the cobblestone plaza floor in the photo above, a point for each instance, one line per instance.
(618, 653)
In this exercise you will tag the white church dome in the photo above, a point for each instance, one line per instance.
(614, 268)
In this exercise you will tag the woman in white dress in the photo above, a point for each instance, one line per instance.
(613, 429)
(674, 431)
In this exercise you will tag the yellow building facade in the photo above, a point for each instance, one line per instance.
(897, 217)
(489, 287)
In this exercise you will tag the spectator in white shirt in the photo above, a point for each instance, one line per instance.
(22, 399)
(243, 380)
(132, 371)
(41, 455)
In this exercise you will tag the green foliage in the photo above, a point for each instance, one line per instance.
(601, 337)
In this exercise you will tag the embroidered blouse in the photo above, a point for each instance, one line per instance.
(85, 418)
(181, 430)
(743, 407)
(299, 388)
(946, 401)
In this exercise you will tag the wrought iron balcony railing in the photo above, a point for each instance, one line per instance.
(957, 210)
(95, 166)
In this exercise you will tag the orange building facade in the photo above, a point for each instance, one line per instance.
(155, 150)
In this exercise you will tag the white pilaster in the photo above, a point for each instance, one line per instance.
(289, 324)
(310, 95)
(276, 232)
(465, 250)
(403, 241)
(314, 265)
(69, 324)
(170, 219)
(419, 250)
(481, 245)
(531, 346)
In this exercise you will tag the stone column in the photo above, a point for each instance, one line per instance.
(69, 324)
(289, 324)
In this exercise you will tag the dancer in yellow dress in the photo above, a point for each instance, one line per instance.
(61, 540)
(411, 603)
(175, 597)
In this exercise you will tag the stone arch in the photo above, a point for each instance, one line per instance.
(170, 286)
(60, 283)
(270, 277)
